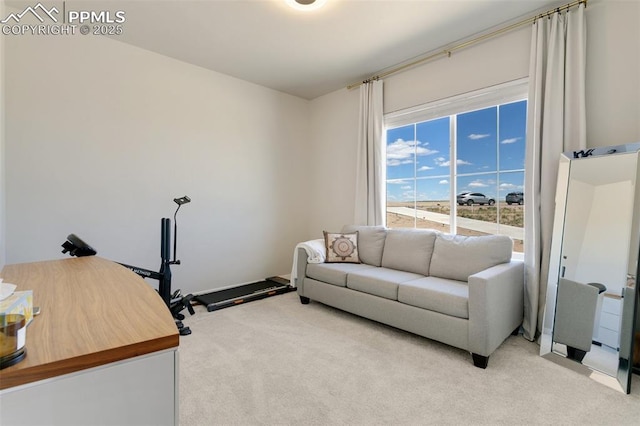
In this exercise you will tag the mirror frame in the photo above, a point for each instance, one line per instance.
(622, 380)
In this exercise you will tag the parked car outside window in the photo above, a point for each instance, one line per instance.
(471, 198)
(515, 198)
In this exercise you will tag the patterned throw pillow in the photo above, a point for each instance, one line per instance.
(341, 247)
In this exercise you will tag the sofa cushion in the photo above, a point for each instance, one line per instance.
(370, 242)
(457, 256)
(382, 282)
(334, 273)
(341, 247)
(409, 250)
(448, 297)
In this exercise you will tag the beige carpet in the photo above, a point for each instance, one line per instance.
(278, 362)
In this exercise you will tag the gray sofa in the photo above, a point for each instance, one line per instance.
(466, 292)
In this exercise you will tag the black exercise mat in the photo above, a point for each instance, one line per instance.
(245, 293)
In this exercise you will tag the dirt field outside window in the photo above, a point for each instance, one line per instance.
(480, 220)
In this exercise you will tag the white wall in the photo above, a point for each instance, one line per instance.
(333, 155)
(592, 249)
(483, 65)
(578, 202)
(101, 136)
(2, 143)
(604, 256)
(613, 72)
(612, 90)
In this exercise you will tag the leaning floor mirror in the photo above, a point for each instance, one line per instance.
(590, 309)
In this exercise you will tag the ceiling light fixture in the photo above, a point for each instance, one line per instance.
(306, 5)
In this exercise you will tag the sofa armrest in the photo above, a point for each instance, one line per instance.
(300, 269)
(496, 305)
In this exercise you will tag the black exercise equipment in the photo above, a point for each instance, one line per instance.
(244, 293)
(175, 301)
(76, 247)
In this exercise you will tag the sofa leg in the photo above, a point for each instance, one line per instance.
(480, 361)
(304, 300)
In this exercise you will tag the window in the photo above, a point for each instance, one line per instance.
(457, 165)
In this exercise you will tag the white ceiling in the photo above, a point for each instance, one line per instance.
(306, 54)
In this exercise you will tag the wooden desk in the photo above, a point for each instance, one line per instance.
(95, 315)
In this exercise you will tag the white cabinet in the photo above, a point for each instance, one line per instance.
(609, 326)
(137, 391)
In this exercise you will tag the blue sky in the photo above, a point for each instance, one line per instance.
(418, 156)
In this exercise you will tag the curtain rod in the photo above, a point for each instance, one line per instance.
(468, 43)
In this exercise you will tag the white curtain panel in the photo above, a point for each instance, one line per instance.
(556, 122)
(370, 178)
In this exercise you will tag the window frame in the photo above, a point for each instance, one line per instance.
(497, 95)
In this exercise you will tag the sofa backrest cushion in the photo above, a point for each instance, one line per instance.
(409, 250)
(456, 256)
(370, 242)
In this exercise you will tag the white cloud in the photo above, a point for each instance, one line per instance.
(399, 181)
(477, 184)
(510, 140)
(423, 168)
(395, 162)
(474, 136)
(443, 182)
(510, 187)
(407, 187)
(402, 152)
(459, 162)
